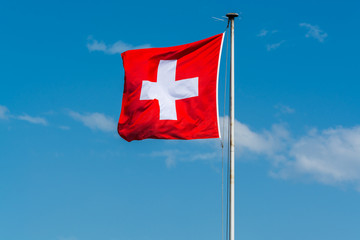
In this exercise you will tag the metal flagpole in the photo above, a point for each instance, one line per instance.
(231, 17)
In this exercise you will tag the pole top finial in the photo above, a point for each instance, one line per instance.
(232, 15)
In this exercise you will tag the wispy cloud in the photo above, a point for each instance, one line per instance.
(266, 35)
(284, 109)
(262, 33)
(64, 127)
(116, 48)
(265, 32)
(96, 121)
(172, 156)
(218, 19)
(274, 46)
(4, 111)
(314, 32)
(34, 120)
(5, 114)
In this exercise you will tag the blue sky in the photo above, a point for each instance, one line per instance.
(65, 174)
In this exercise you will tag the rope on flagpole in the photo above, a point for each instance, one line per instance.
(222, 145)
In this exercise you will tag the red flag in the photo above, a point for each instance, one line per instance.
(171, 93)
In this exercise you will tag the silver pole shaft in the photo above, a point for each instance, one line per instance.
(231, 17)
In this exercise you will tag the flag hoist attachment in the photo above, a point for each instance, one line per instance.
(231, 17)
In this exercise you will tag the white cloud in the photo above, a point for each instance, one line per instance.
(262, 33)
(95, 121)
(284, 109)
(34, 120)
(64, 127)
(265, 32)
(202, 156)
(172, 156)
(4, 112)
(94, 45)
(331, 156)
(116, 48)
(314, 32)
(274, 46)
(269, 143)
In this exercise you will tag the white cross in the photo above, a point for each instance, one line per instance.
(167, 90)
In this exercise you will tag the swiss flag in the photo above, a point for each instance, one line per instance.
(171, 93)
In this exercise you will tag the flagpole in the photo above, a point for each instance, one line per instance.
(231, 17)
